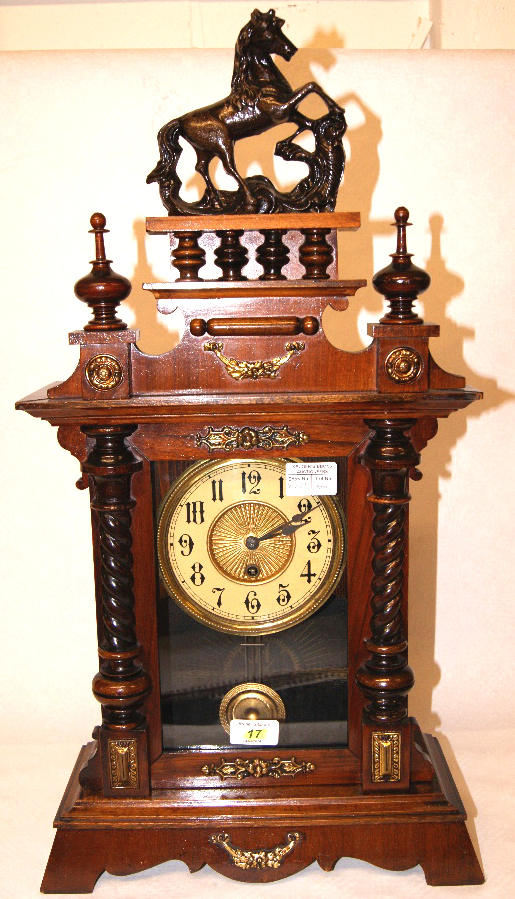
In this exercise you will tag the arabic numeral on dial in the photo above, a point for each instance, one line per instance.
(284, 595)
(307, 573)
(314, 544)
(252, 602)
(217, 491)
(197, 578)
(218, 590)
(250, 481)
(304, 506)
(187, 544)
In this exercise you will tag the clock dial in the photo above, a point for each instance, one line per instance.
(239, 555)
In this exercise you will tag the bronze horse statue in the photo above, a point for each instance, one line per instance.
(260, 98)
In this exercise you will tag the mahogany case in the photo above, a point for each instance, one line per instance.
(255, 375)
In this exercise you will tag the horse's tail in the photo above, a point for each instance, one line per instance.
(170, 150)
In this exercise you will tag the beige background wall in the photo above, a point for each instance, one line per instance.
(353, 24)
(207, 23)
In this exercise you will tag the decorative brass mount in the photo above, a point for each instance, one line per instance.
(241, 768)
(241, 370)
(123, 763)
(247, 438)
(386, 756)
(258, 858)
(104, 372)
(403, 365)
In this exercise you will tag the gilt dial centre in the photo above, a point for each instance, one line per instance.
(234, 544)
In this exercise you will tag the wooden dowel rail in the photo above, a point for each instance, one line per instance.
(287, 326)
(340, 221)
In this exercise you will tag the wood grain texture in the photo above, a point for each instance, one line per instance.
(166, 408)
(254, 222)
(395, 832)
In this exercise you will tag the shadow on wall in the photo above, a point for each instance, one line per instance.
(436, 463)
(355, 249)
(159, 333)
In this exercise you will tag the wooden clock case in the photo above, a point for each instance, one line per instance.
(255, 374)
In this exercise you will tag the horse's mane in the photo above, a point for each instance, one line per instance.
(243, 92)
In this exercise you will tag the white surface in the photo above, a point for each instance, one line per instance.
(261, 733)
(480, 764)
(431, 131)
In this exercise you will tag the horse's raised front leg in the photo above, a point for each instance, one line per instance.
(285, 111)
(287, 148)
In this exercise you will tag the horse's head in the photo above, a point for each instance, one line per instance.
(266, 34)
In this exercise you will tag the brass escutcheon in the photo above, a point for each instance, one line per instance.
(123, 763)
(386, 756)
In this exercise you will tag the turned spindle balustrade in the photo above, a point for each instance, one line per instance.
(224, 247)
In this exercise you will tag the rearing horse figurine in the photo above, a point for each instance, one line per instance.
(260, 98)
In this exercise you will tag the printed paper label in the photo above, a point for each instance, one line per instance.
(254, 733)
(311, 479)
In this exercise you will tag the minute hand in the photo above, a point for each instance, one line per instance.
(289, 527)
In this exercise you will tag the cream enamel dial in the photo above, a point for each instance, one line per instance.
(239, 555)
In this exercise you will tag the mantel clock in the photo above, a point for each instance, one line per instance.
(249, 497)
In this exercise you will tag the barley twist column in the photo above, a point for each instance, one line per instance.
(121, 685)
(385, 676)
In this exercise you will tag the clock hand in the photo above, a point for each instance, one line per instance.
(289, 527)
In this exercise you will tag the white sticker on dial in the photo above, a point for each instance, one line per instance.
(311, 478)
(254, 733)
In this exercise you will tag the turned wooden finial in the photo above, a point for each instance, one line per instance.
(401, 281)
(401, 216)
(103, 290)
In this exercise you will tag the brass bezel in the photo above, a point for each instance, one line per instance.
(217, 621)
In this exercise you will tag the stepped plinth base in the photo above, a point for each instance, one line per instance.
(261, 843)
